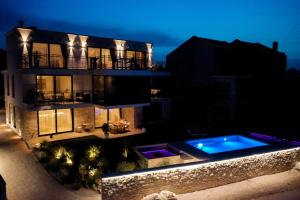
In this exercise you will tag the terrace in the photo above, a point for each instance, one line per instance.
(56, 61)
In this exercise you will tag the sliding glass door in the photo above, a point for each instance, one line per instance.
(55, 121)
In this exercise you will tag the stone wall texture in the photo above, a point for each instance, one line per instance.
(190, 178)
(28, 124)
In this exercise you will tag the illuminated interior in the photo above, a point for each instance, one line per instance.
(106, 59)
(56, 57)
(106, 116)
(52, 121)
(94, 53)
(100, 116)
(47, 122)
(40, 54)
(62, 90)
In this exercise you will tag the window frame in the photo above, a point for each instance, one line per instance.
(50, 134)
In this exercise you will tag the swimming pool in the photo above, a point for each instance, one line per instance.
(225, 143)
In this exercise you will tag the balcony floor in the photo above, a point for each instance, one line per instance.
(96, 132)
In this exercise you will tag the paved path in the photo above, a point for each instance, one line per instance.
(26, 179)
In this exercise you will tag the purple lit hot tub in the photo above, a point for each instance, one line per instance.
(158, 155)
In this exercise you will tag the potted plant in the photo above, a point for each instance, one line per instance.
(105, 129)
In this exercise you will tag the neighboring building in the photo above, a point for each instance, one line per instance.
(2, 67)
(59, 83)
(216, 83)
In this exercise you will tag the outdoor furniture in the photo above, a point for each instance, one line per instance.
(119, 127)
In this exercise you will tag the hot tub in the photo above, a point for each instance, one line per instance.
(158, 155)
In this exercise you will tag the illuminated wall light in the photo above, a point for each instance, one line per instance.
(24, 34)
(83, 40)
(120, 47)
(24, 38)
(149, 53)
(71, 38)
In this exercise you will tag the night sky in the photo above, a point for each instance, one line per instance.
(166, 23)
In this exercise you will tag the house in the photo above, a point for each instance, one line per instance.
(218, 84)
(2, 67)
(61, 84)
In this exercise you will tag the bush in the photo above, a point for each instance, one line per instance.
(43, 156)
(125, 166)
(93, 152)
(53, 165)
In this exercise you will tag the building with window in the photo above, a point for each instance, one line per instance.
(60, 83)
(219, 84)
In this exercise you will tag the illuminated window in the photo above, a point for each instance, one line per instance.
(40, 54)
(100, 117)
(56, 57)
(94, 57)
(45, 87)
(47, 123)
(114, 115)
(63, 88)
(106, 59)
(55, 121)
(64, 120)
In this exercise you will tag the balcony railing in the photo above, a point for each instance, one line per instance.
(42, 61)
(50, 97)
(75, 62)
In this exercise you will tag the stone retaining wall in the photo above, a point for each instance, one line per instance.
(190, 178)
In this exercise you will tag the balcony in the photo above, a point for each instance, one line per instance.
(58, 98)
(52, 61)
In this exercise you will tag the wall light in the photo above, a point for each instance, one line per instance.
(120, 46)
(83, 40)
(71, 40)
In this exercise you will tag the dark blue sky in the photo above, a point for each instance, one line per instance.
(166, 23)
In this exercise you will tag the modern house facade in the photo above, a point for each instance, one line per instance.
(59, 83)
(226, 83)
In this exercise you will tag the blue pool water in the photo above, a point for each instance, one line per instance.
(225, 143)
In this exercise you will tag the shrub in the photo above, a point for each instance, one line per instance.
(143, 163)
(93, 152)
(45, 146)
(125, 166)
(53, 165)
(43, 156)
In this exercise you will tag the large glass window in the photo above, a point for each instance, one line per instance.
(56, 57)
(63, 88)
(98, 87)
(54, 88)
(40, 54)
(47, 124)
(55, 121)
(106, 59)
(100, 116)
(135, 59)
(45, 88)
(114, 115)
(94, 57)
(110, 116)
(64, 120)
